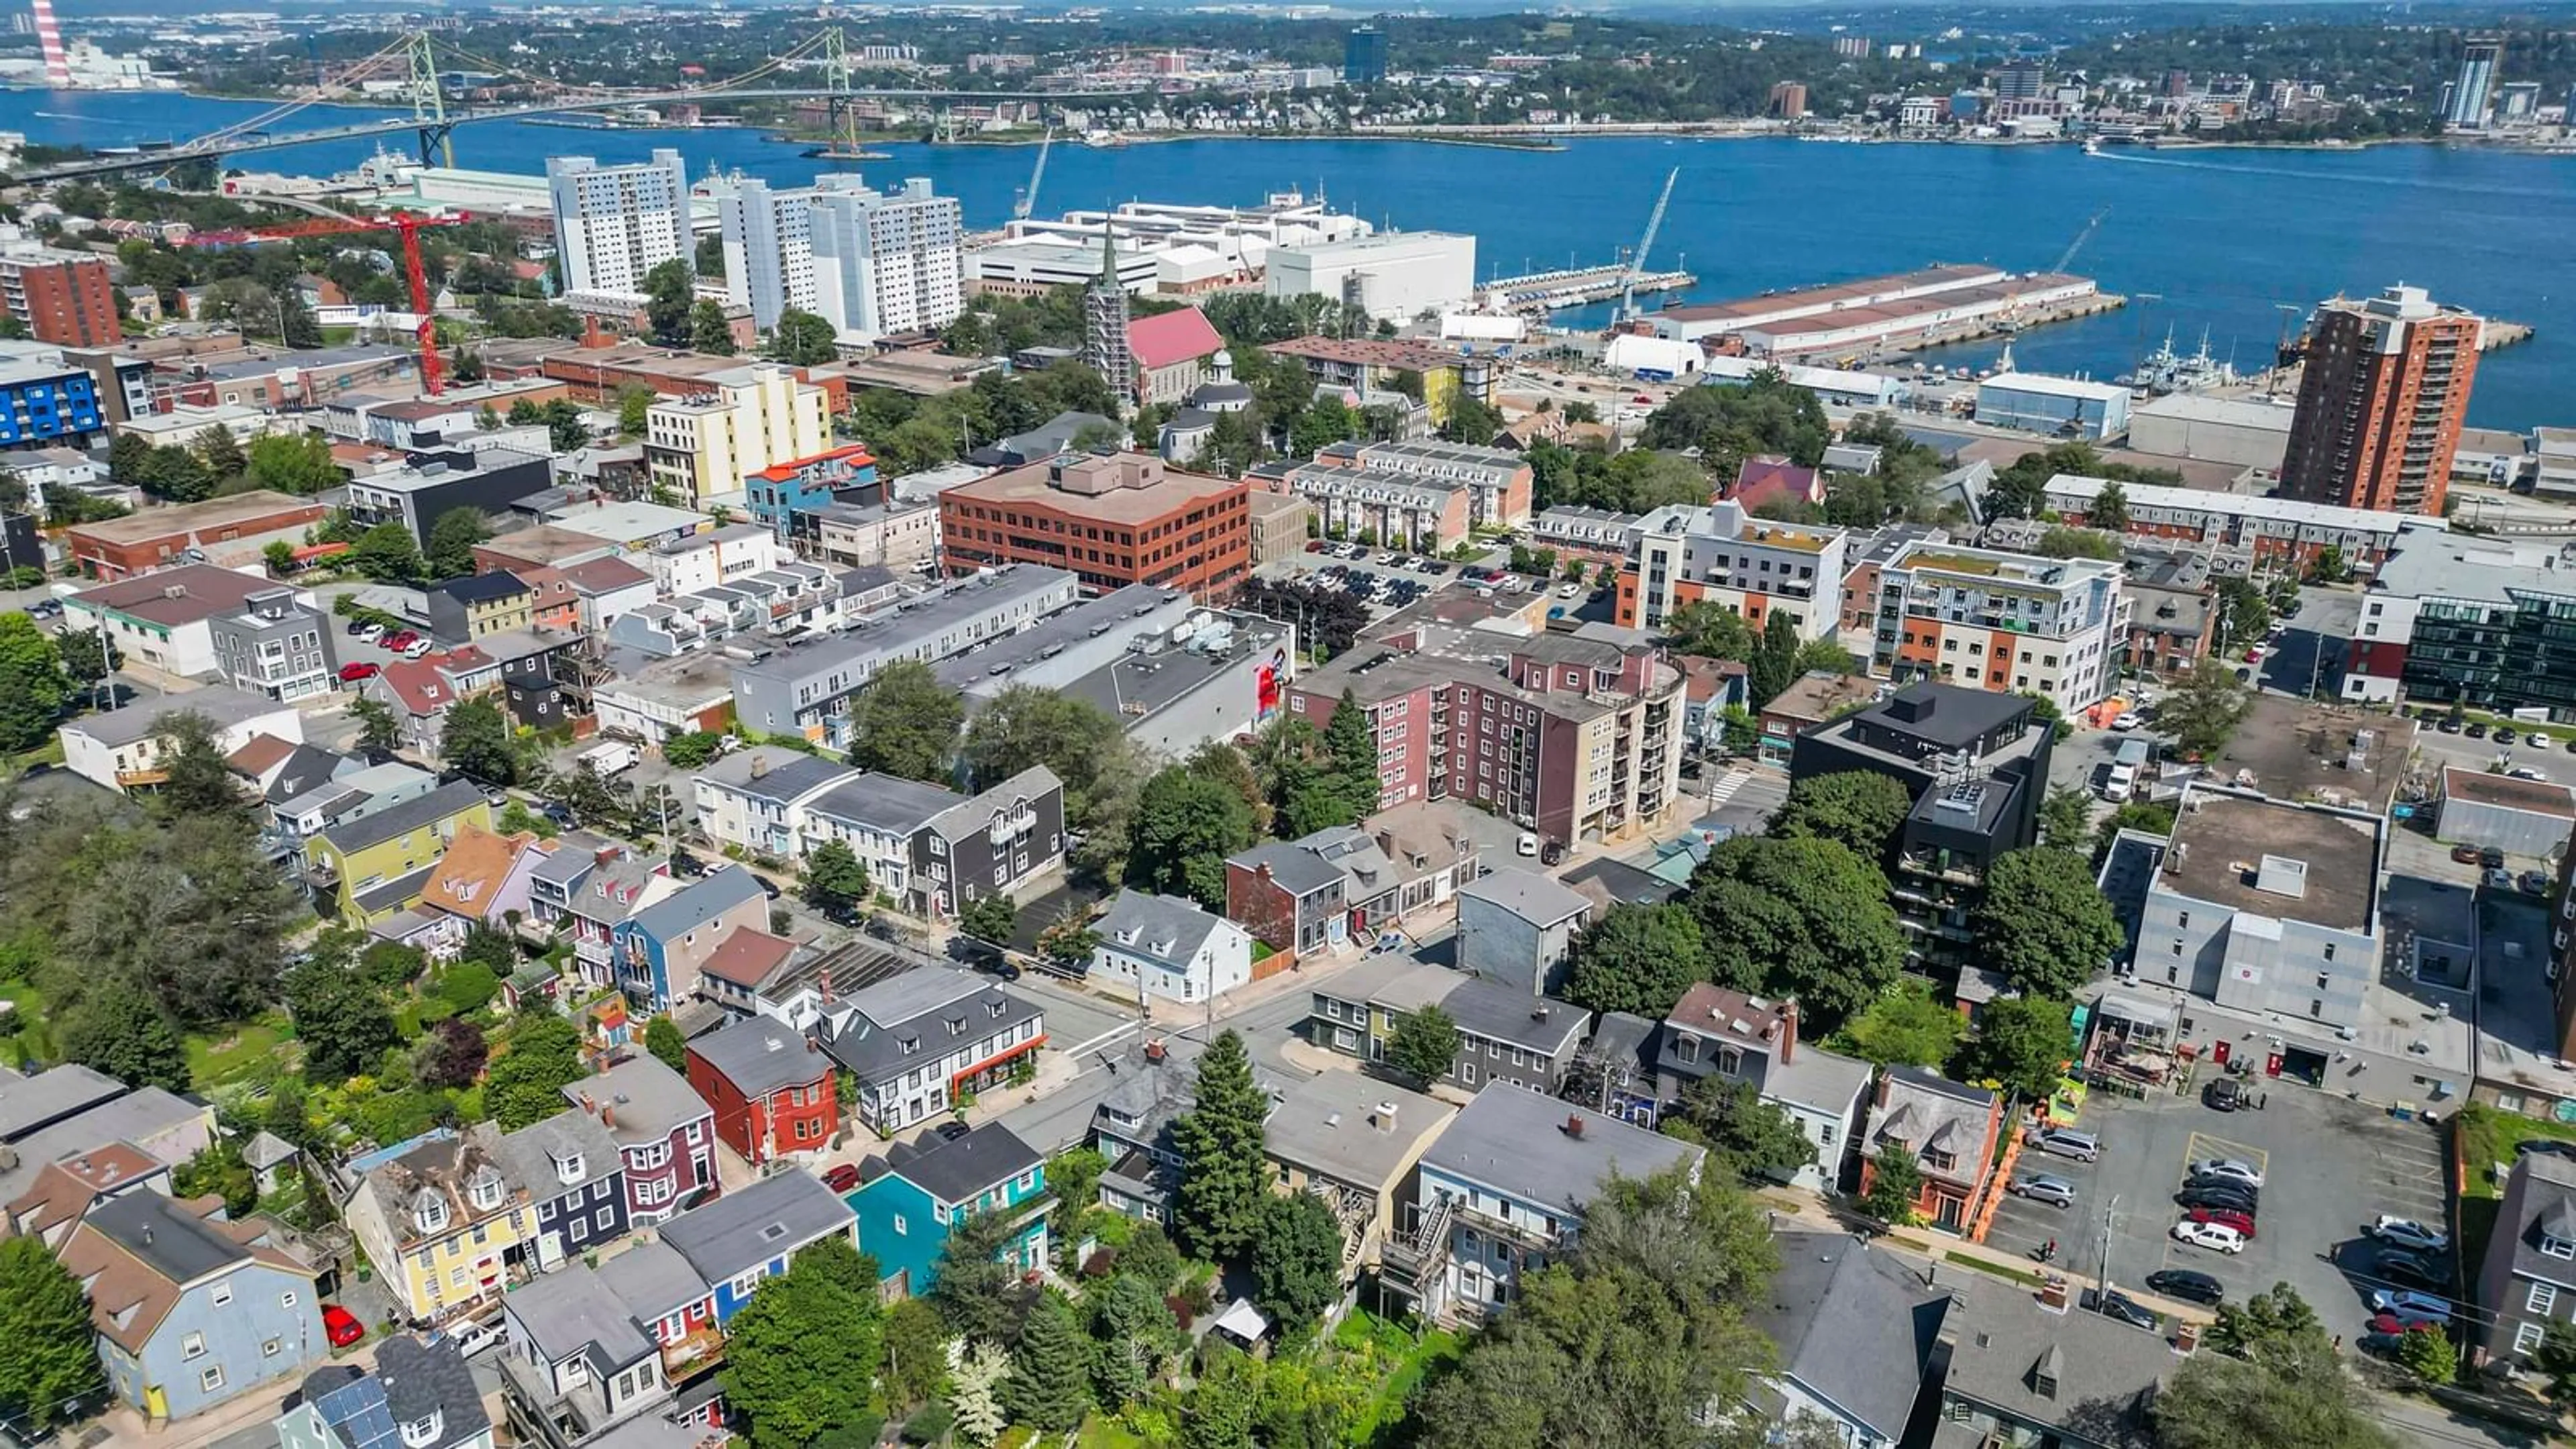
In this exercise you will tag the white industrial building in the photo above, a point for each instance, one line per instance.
(1395, 276)
(1243, 235)
(2247, 432)
(1833, 386)
(886, 262)
(1031, 268)
(613, 224)
(2061, 407)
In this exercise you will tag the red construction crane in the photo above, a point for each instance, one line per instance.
(432, 377)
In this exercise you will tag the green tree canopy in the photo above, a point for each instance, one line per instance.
(125, 1035)
(1859, 808)
(2021, 1045)
(1049, 1386)
(2043, 923)
(1895, 1181)
(342, 1019)
(834, 877)
(387, 554)
(669, 292)
(709, 332)
(451, 542)
(662, 1038)
(990, 919)
(1803, 918)
(1186, 824)
(801, 1355)
(377, 727)
(1904, 1026)
(1424, 1044)
(1132, 1335)
(475, 738)
(802, 339)
(33, 688)
(1638, 958)
(1297, 1257)
(2203, 711)
(1743, 1133)
(1225, 1176)
(297, 463)
(905, 723)
(542, 1057)
(977, 1294)
(52, 1362)
(2066, 818)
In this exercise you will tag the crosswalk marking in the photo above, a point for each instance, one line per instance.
(1725, 787)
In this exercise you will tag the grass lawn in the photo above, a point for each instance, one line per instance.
(229, 1060)
(1405, 1361)
(1103, 1432)
(27, 1008)
(48, 753)
(2486, 1137)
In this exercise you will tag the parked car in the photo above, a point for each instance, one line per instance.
(2465, 854)
(2065, 1142)
(2448, 725)
(2399, 1266)
(2411, 1308)
(341, 1326)
(2555, 1147)
(2225, 1218)
(2492, 857)
(2217, 1237)
(2119, 1305)
(419, 649)
(2477, 729)
(472, 1338)
(2534, 883)
(399, 639)
(952, 1129)
(2234, 1199)
(2221, 1182)
(2235, 1167)
(2408, 1234)
(1526, 845)
(2505, 735)
(2188, 1285)
(2041, 1187)
(2525, 772)
(842, 1177)
(2125, 721)
(2225, 1094)
(352, 673)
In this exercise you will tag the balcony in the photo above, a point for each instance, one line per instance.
(1506, 1229)
(144, 778)
(596, 951)
(693, 1353)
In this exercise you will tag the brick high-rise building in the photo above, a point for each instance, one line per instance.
(62, 297)
(2385, 389)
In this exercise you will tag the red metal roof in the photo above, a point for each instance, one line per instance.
(1169, 337)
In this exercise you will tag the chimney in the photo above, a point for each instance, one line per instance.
(1384, 1118)
(759, 765)
(608, 1118)
(1788, 1031)
(1573, 1124)
(1154, 1050)
(1886, 1085)
(2186, 1338)
(824, 981)
(589, 1105)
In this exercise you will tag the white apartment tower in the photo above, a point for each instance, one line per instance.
(885, 262)
(615, 223)
(768, 249)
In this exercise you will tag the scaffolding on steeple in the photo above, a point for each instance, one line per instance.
(1105, 347)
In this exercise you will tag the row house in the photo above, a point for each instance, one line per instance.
(189, 1311)
(916, 1044)
(2282, 534)
(1161, 946)
(1715, 1032)
(910, 1195)
(1951, 1129)
(441, 1219)
(1347, 883)
(770, 1087)
(759, 799)
(665, 941)
(590, 891)
(664, 1131)
(1504, 1037)
(574, 1177)
(1396, 510)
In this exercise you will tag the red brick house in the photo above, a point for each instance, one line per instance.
(1951, 1128)
(770, 1086)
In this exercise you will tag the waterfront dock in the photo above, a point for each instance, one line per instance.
(1578, 286)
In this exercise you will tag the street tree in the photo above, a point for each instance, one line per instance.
(475, 739)
(52, 1362)
(1859, 808)
(905, 723)
(451, 542)
(1186, 824)
(2274, 1325)
(1638, 958)
(1774, 665)
(1297, 1257)
(1895, 1181)
(2043, 923)
(126, 1036)
(990, 919)
(2303, 1400)
(2066, 818)
(835, 878)
(1424, 1044)
(2203, 711)
(1224, 1176)
(2020, 1046)
(378, 729)
(1049, 1385)
(1803, 918)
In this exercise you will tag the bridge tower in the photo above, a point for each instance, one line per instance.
(838, 119)
(429, 103)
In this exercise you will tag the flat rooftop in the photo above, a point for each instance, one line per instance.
(2507, 793)
(2296, 750)
(1940, 275)
(2230, 849)
(1032, 484)
(213, 515)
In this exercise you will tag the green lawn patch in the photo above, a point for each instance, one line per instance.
(240, 1056)
(28, 1011)
(2486, 1137)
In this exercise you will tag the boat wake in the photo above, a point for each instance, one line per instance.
(2334, 179)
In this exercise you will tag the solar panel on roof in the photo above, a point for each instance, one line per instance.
(358, 1412)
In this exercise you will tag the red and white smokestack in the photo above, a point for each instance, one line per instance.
(49, 36)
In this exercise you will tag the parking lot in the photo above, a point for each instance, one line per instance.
(2331, 1165)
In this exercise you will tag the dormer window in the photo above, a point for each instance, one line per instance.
(423, 1432)
(430, 1211)
(485, 1192)
(568, 1169)
(2557, 1247)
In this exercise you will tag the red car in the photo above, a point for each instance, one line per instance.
(399, 640)
(1314, 545)
(352, 673)
(341, 1326)
(2226, 1218)
(841, 1177)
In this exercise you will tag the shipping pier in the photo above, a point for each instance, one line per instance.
(1578, 286)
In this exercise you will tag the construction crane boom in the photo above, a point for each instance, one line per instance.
(1645, 244)
(432, 374)
(1028, 200)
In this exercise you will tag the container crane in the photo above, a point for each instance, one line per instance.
(432, 374)
(1645, 244)
(1027, 200)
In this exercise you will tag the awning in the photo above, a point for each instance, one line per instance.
(2140, 1011)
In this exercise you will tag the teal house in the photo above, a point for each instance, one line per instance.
(908, 1196)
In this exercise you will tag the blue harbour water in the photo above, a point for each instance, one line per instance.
(2215, 239)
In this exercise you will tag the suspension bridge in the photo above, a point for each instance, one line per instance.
(416, 57)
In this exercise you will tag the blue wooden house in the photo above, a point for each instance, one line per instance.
(908, 1197)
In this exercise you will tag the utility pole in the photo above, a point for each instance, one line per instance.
(2102, 1279)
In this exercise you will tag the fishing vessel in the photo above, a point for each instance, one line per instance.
(2165, 371)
